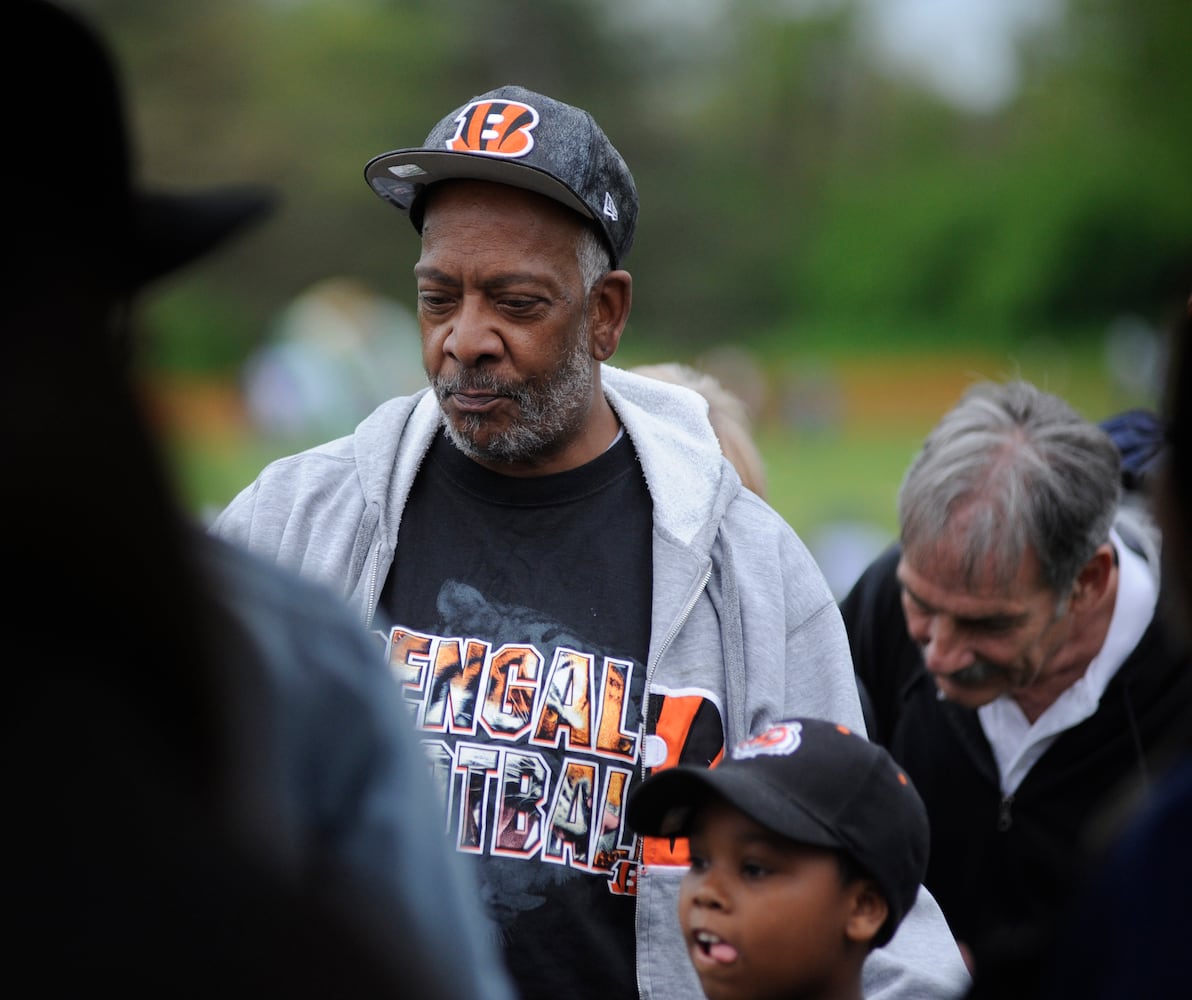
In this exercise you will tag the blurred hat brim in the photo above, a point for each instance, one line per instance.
(174, 229)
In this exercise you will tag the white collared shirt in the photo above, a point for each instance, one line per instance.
(1017, 744)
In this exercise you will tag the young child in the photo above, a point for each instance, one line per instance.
(808, 845)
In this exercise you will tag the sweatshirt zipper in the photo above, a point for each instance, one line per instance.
(670, 637)
(370, 606)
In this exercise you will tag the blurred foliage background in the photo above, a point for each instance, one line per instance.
(843, 238)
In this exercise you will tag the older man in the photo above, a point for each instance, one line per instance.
(574, 586)
(1015, 662)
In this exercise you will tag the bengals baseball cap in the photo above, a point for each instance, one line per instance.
(514, 136)
(814, 782)
(74, 178)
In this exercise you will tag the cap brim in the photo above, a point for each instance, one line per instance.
(171, 230)
(400, 176)
(665, 804)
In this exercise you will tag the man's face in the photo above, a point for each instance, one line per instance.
(986, 640)
(504, 322)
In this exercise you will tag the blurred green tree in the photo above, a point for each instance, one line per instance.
(794, 191)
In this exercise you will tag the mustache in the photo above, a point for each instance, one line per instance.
(476, 381)
(468, 381)
(977, 674)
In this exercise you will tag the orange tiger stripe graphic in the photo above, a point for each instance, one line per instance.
(495, 128)
(694, 734)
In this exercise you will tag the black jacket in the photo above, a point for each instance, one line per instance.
(1003, 869)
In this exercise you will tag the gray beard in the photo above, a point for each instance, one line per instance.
(552, 409)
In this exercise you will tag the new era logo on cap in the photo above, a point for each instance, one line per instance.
(514, 136)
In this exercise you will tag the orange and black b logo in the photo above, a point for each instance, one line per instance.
(496, 128)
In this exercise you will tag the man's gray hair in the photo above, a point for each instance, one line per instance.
(593, 258)
(1025, 470)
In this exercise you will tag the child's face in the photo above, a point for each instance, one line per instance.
(764, 917)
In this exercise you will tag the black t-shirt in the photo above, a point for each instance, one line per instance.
(521, 611)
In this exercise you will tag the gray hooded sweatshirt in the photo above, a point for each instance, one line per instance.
(740, 613)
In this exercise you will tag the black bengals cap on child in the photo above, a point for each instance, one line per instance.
(814, 782)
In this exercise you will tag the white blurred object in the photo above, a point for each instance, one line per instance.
(1134, 355)
(337, 351)
(967, 51)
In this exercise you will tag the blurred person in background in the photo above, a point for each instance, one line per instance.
(728, 415)
(332, 354)
(1127, 932)
(1015, 662)
(211, 781)
(575, 586)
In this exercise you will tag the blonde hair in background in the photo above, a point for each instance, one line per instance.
(728, 415)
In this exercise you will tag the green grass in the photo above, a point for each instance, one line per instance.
(815, 480)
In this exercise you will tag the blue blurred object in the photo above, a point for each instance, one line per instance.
(1138, 433)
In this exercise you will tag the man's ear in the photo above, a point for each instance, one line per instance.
(609, 307)
(868, 912)
(1093, 579)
